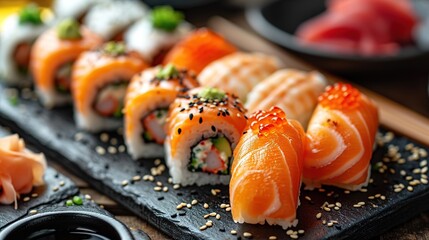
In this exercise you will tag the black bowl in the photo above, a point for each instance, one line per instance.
(278, 21)
(67, 225)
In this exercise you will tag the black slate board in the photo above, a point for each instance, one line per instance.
(55, 132)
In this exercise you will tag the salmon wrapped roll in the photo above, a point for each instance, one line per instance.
(148, 97)
(112, 18)
(198, 49)
(161, 30)
(203, 128)
(295, 92)
(17, 38)
(52, 58)
(238, 73)
(267, 170)
(100, 80)
(341, 136)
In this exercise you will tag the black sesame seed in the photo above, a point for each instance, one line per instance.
(174, 215)
(338, 227)
(201, 110)
(179, 194)
(201, 120)
(218, 114)
(182, 213)
(179, 131)
(244, 132)
(245, 117)
(213, 128)
(160, 198)
(106, 166)
(194, 192)
(221, 229)
(183, 109)
(191, 116)
(224, 114)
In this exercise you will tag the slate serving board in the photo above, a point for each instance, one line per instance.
(50, 200)
(54, 132)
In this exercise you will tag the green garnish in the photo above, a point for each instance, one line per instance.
(118, 113)
(114, 48)
(166, 18)
(167, 72)
(30, 14)
(13, 100)
(69, 29)
(69, 203)
(77, 200)
(147, 136)
(212, 93)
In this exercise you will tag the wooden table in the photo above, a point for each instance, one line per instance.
(409, 89)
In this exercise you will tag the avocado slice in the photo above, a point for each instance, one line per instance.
(222, 144)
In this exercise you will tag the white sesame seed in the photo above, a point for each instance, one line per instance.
(100, 150)
(56, 188)
(157, 188)
(204, 227)
(209, 224)
(247, 234)
(213, 192)
(26, 199)
(423, 163)
(371, 197)
(158, 183)
(403, 173)
(121, 148)
(32, 212)
(228, 209)
(206, 205)
(233, 232)
(217, 216)
(424, 180)
(330, 224)
(180, 206)
(417, 171)
(223, 205)
(424, 170)
(397, 190)
(272, 238)
(165, 189)
(104, 137)
(410, 189)
(88, 197)
(361, 203)
(170, 180)
(189, 205)
(137, 178)
(331, 205)
(78, 136)
(112, 150)
(301, 231)
(157, 162)
(212, 214)
(383, 197)
(194, 202)
(327, 209)
(409, 178)
(324, 222)
(62, 183)
(336, 208)
(319, 215)
(356, 205)
(364, 190)
(176, 186)
(34, 195)
(113, 141)
(347, 192)
(308, 198)
(124, 183)
(289, 232)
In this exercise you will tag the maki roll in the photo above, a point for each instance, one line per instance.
(52, 57)
(294, 91)
(267, 170)
(100, 80)
(198, 49)
(76, 9)
(341, 136)
(111, 19)
(17, 38)
(203, 128)
(148, 97)
(161, 30)
(238, 73)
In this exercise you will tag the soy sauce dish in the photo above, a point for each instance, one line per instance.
(67, 225)
(279, 20)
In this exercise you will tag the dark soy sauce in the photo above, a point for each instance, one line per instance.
(71, 234)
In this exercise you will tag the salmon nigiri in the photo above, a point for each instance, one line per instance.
(341, 135)
(267, 169)
(199, 49)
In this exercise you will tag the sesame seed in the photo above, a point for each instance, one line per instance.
(371, 197)
(364, 190)
(301, 231)
(424, 180)
(34, 195)
(62, 183)
(213, 128)
(158, 183)
(157, 162)
(397, 190)
(204, 227)
(330, 224)
(247, 234)
(294, 236)
(223, 205)
(272, 238)
(113, 141)
(417, 171)
(338, 204)
(217, 216)
(212, 214)
(136, 178)
(214, 193)
(289, 232)
(32, 212)
(209, 223)
(361, 203)
(26, 199)
(157, 188)
(324, 222)
(104, 137)
(319, 215)
(383, 197)
(179, 131)
(100, 150)
(336, 208)
(189, 205)
(347, 192)
(165, 189)
(112, 150)
(78, 136)
(308, 198)
(424, 170)
(87, 197)
(356, 205)
(206, 205)
(56, 188)
(233, 232)
(331, 205)
(327, 209)
(176, 186)
(180, 206)
(228, 209)
(410, 189)
(194, 202)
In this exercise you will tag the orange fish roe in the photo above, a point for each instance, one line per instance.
(340, 96)
(264, 122)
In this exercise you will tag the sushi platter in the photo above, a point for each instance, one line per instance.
(206, 136)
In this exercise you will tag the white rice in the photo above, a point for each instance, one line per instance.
(11, 36)
(74, 8)
(52, 98)
(178, 164)
(108, 19)
(155, 39)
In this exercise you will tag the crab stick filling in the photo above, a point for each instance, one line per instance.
(109, 101)
(153, 126)
(211, 155)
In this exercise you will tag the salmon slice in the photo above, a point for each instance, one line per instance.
(269, 155)
(238, 73)
(20, 169)
(294, 91)
(200, 48)
(341, 135)
(49, 53)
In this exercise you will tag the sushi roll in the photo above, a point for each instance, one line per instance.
(161, 30)
(76, 9)
(238, 73)
(341, 136)
(148, 97)
(294, 91)
(111, 19)
(52, 57)
(203, 128)
(99, 82)
(17, 38)
(198, 49)
(267, 170)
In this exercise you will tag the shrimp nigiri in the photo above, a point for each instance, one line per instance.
(267, 170)
(341, 135)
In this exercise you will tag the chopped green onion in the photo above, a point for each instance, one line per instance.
(114, 48)
(167, 72)
(13, 100)
(69, 203)
(30, 14)
(77, 200)
(166, 18)
(212, 93)
(69, 29)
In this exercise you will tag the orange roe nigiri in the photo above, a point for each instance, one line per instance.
(267, 170)
(341, 135)
(198, 50)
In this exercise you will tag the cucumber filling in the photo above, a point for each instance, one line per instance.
(109, 101)
(63, 78)
(212, 155)
(153, 126)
